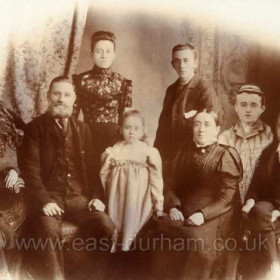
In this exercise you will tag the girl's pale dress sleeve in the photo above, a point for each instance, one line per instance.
(155, 178)
(106, 158)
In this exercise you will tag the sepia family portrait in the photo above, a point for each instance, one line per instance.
(139, 140)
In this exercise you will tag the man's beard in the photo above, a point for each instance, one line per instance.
(60, 110)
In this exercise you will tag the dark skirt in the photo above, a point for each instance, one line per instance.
(210, 250)
(104, 135)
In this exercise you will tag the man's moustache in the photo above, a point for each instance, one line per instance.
(59, 104)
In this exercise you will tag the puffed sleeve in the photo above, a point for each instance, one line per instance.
(155, 178)
(106, 158)
(127, 90)
(126, 97)
(229, 174)
(223, 139)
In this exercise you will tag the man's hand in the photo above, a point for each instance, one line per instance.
(274, 216)
(96, 204)
(176, 215)
(196, 219)
(52, 209)
(11, 179)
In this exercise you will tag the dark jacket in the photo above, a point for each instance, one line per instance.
(265, 185)
(38, 159)
(199, 96)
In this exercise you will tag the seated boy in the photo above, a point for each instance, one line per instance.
(263, 199)
(249, 136)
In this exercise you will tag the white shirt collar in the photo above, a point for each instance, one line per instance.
(207, 144)
(57, 122)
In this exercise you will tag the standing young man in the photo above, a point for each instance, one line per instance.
(183, 99)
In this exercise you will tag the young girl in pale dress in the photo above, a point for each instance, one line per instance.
(131, 175)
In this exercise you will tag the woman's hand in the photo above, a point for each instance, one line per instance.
(250, 203)
(176, 215)
(11, 179)
(196, 219)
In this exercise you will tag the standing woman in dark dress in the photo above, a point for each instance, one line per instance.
(201, 199)
(102, 94)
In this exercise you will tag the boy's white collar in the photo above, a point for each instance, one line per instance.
(184, 83)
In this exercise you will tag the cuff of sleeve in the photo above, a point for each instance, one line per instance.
(43, 202)
(204, 213)
(175, 206)
(174, 203)
(158, 207)
(14, 168)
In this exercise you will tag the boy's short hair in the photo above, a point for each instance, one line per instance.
(187, 46)
(102, 35)
(58, 79)
(251, 89)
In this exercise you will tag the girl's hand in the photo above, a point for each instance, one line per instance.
(176, 215)
(11, 179)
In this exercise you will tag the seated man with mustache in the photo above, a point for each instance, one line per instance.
(56, 163)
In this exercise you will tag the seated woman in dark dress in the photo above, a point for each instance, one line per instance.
(201, 199)
(11, 204)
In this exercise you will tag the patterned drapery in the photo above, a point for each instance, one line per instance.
(41, 40)
(225, 60)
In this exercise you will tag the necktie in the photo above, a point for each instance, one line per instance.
(178, 114)
(63, 123)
